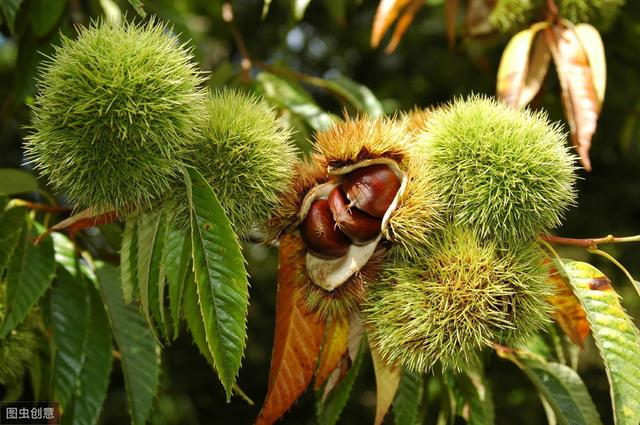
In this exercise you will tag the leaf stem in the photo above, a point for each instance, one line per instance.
(246, 63)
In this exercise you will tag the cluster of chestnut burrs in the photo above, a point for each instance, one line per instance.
(352, 212)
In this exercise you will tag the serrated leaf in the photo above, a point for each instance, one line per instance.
(357, 95)
(65, 253)
(193, 315)
(152, 228)
(29, 273)
(13, 180)
(91, 390)
(568, 312)
(408, 398)
(617, 338)
(329, 410)
(44, 15)
(579, 97)
(299, 7)
(290, 96)
(296, 343)
(221, 278)
(70, 312)
(176, 260)
(140, 356)
(334, 348)
(12, 223)
(387, 381)
(560, 386)
(403, 24)
(137, 5)
(129, 259)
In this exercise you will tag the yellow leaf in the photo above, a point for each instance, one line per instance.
(568, 312)
(538, 66)
(334, 348)
(386, 14)
(387, 382)
(403, 24)
(297, 338)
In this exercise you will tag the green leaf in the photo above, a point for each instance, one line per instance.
(94, 378)
(561, 387)
(12, 223)
(9, 10)
(30, 271)
(477, 403)
(221, 279)
(299, 7)
(177, 261)
(65, 253)
(140, 356)
(358, 95)
(13, 180)
(152, 228)
(290, 96)
(329, 411)
(616, 337)
(70, 312)
(137, 5)
(44, 15)
(408, 398)
(194, 318)
(129, 259)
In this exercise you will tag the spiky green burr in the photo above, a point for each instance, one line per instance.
(247, 156)
(506, 173)
(511, 15)
(600, 13)
(116, 110)
(463, 296)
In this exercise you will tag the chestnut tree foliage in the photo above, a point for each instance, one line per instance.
(196, 273)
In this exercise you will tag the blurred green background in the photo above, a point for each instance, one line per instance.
(333, 40)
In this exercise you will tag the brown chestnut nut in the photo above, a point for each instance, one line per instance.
(359, 226)
(320, 233)
(371, 189)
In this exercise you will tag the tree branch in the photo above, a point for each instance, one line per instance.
(589, 243)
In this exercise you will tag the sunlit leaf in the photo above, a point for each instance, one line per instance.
(386, 13)
(408, 398)
(329, 408)
(515, 65)
(387, 381)
(617, 338)
(538, 67)
(568, 312)
(357, 95)
(13, 181)
(297, 339)
(29, 273)
(290, 96)
(299, 7)
(140, 356)
(405, 20)
(579, 96)
(334, 348)
(221, 278)
(560, 386)
(592, 43)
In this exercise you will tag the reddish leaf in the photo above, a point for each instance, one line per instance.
(297, 338)
(386, 14)
(333, 350)
(593, 47)
(538, 66)
(568, 312)
(403, 24)
(83, 220)
(387, 382)
(579, 96)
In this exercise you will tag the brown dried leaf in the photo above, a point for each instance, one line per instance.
(520, 64)
(592, 43)
(387, 382)
(451, 15)
(568, 312)
(334, 348)
(297, 339)
(579, 96)
(386, 14)
(403, 24)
